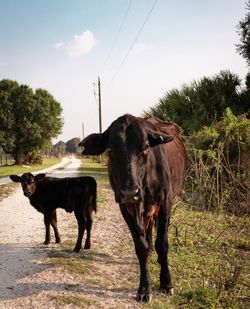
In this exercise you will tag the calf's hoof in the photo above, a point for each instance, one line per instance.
(58, 240)
(87, 246)
(77, 250)
(144, 297)
(46, 242)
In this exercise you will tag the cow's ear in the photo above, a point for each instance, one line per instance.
(95, 144)
(40, 177)
(15, 178)
(156, 138)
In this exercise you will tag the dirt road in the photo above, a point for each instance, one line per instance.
(28, 278)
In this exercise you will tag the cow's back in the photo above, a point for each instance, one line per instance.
(175, 152)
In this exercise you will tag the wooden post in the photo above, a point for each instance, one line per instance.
(100, 110)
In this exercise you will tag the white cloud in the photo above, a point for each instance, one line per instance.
(80, 44)
(140, 48)
(58, 45)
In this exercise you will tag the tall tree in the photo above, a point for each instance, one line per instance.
(243, 49)
(59, 149)
(244, 31)
(28, 120)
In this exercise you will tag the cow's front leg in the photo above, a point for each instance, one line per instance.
(54, 225)
(47, 221)
(161, 246)
(136, 228)
(149, 236)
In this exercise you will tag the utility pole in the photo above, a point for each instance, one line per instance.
(100, 104)
(100, 111)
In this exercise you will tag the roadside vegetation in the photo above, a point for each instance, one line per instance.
(16, 169)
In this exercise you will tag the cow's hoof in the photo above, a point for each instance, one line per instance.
(168, 291)
(145, 297)
(47, 242)
(77, 250)
(87, 246)
(58, 240)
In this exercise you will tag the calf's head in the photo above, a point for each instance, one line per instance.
(129, 141)
(28, 182)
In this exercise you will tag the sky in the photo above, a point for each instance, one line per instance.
(139, 48)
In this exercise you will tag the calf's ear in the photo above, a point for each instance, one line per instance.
(156, 138)
(15, 178)
(40, 177)
(94, 144)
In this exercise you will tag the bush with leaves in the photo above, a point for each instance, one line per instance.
(219, 169)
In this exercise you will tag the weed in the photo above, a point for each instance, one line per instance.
(76, 300)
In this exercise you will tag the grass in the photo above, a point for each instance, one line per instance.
(96, 170)
(209, 259)
(15, 169)
(75, 300)
(69, 262)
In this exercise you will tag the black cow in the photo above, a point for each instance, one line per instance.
(76, 194)
(147, 168)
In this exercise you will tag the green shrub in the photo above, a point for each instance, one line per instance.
(219, 167)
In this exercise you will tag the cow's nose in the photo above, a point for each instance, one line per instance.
(27, 193)
(130, 196)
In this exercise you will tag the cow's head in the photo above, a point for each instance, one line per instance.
(28, 182)
(129, 141)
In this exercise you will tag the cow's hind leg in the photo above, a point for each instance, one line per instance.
(54, 225)
(89, 222)
(144, 292)
(47, 221)
(79, 213)
(161, 246)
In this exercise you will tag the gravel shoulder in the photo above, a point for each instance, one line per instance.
(33, 276)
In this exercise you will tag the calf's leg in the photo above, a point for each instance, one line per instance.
(81, 228)
(89, 222)
(135, 225)
(47, 221)
(54, 225)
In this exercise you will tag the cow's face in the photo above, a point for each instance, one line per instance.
(129, 141)
(28, 182)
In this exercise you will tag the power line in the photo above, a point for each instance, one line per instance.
(118, 33)
(133, 44)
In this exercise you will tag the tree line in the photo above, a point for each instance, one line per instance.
(61, 148)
